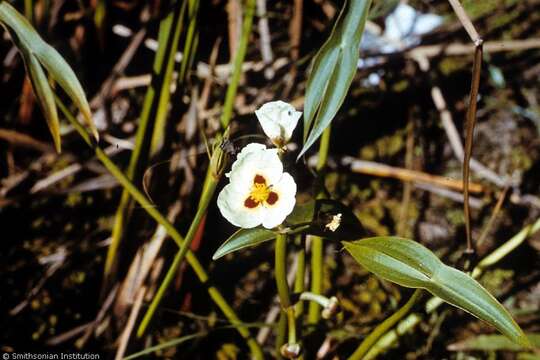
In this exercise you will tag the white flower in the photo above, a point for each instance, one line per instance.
(259, 191)
(334, 224)
(278, 120)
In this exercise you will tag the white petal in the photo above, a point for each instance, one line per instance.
(231, 205)
(264, 162)
(278, 120)
(275, 214)
(249, 148)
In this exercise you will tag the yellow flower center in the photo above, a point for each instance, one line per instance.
(259, 192)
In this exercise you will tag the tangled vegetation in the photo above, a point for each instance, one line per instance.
(263, 179)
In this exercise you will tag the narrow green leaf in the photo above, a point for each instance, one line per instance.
(45, 95)
(243, 238)
(55, 64)
(62, 73)
(168, 38)
(324, 64)
(333, 69)
(165, 345)
(43, 92)
(410, 264)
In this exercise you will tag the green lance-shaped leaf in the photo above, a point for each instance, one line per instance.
(407, 263)
(243, 238)
(45, 95)
(333, 69)
(55, 64)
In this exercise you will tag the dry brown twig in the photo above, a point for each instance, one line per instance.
(471, 115)
(69, 170)
(456, 49)
(295, 34)
(16, 138)
(141, 266)
(124, 338)
(99, 318)
(451, 132)
(382, 170)
(493, 217)
(264, 33)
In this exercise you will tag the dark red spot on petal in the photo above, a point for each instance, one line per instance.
(250, 203)
(272, 198)
(259, 179)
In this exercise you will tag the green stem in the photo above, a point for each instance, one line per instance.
(314, 309)
(323, 149)
(291, 318)
(299, 286)
(283, 287)
(317, 251)
(281, 334)
(190, 39)
(164, 96)
(155, 103)
(192, 260)
(386, 325)
(281, 271)
(29, 10)
(207, 194)
(238, 61)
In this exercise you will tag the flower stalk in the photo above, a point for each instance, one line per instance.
(317, 255)
(299, 285)
(291, 349)
(280, 264)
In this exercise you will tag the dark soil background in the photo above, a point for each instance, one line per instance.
(55, 235)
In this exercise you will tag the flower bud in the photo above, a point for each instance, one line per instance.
(331, 309)
(220, 157)
(278, 121)
(291, 351)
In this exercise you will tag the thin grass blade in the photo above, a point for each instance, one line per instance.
(174, 342)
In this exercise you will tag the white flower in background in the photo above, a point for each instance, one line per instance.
(278, 120)
(259, 191)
